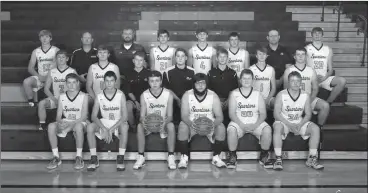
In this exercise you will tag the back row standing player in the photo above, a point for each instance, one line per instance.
(238, 57)
(162, 56)
(44, 57)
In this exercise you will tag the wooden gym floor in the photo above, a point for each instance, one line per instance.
(339, 176)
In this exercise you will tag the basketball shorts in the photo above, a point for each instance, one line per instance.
(163, 133)
(108, 124)
(39, 84)
(286, 130)
(268, 103)
(257, 132)
(326, 84)
(63, 132)
(50, 104)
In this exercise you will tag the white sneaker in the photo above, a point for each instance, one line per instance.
(183, 162)
(171, 162)
(141, 161)
(216, 161)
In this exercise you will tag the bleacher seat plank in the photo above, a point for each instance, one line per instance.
(202, 15)
(333, 34)
(325, 24)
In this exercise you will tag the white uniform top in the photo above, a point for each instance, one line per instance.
(317, 58)
(58, 80)
(307, 75)
(45, 59)
(98, 76)
(236, 60)
(110, 108)
(247, 107)
(293, 109)
(156, 104)
(202, 59)
(201, 108)
(72, 107)
(163, 58)
(262, 79)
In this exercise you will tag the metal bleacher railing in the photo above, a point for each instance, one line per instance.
(361, 24)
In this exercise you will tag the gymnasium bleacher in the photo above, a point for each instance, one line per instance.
(67, 21)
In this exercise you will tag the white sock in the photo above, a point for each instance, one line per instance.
(277, 151)
(55, 152)
(42, 122)
(313, 152)
(79, 152)
(93, 151)
(122, 151)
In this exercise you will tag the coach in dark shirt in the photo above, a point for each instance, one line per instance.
(123, 56)
(278, 56)
(222, 79)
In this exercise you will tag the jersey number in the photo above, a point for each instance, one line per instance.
(61, 88)
(72, 117)
(111, 116)
(293, 117)
(318, 64)
(247, 114)
(235, 67)
(202, 65)
(158, 112)
(163, 66)
(302, 85)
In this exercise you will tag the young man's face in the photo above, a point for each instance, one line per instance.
(246, 80)
(202, 36)
(72, 84)
(234, 41)
(45, 39)
(222, 58)
(261, 56)
(154, 82)
(110, 82)
(180, 58)
(87, 39)
(200, 86)
(294, 83)
(317, 36)
(61, 59)
(299, 56)
(163, 38)
(138, 61)
(127, 35)
(103, 55)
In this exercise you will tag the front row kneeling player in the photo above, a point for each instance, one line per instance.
(201, 102)
(71, 116)
(111, 103)
(156, 100)
(290, 105)
(247, 111)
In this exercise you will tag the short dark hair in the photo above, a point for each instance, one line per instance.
(199, 77)
(300, 49)
(61, 52)
(234, 34)
(110, 74)
(201, 30)
(87, 32)
(163, 31)
(317, 29)
(246, 71)
(72, 76)
(262, 49)
(221, 50)
(103, 47)
(140, 54)
(294, 73)
(155, 73)
(181, 50)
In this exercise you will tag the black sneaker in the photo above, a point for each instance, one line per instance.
(277, 165)
(93, 164)
(231, 162)
(120, 166)
(265, 161)
(43, 126)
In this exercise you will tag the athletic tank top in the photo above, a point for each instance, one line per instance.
(236, 60)
(45, 59)
(307, 75)
(262, 79)
(110, 108)
(247, 108)
(72, 107)
(201, 108)
(317, 58)
(202, 59)
(98, 76)
(156, 104)
(293, 109)
(58, 80)
(163, 58)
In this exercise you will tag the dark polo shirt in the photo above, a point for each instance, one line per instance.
(81, 60)
(278, 59)
(178, 80)
(124, 57)
(222, 82)
(137, 82)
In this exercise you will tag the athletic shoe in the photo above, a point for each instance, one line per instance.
(79, 163)
(232, 161)
(171, 162)
(312, 162)
(183, 162)
(265, 161)
(43, 127)
(141, 161)
(120, 166)
(93, 163)
(216, 161)
(277, 165)
(54, 163)
(31, 104)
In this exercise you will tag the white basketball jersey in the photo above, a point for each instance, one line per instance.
(236, 60)
(262, 79)
(45, 59)
(293, 109)
(98, 76)
(247, 108)
(317, 58)
(72, 107)
(202, 59)
(163, 58)
(201, 108)
(307, 75)
(110, 108)
(156, 104)
(58, 80)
